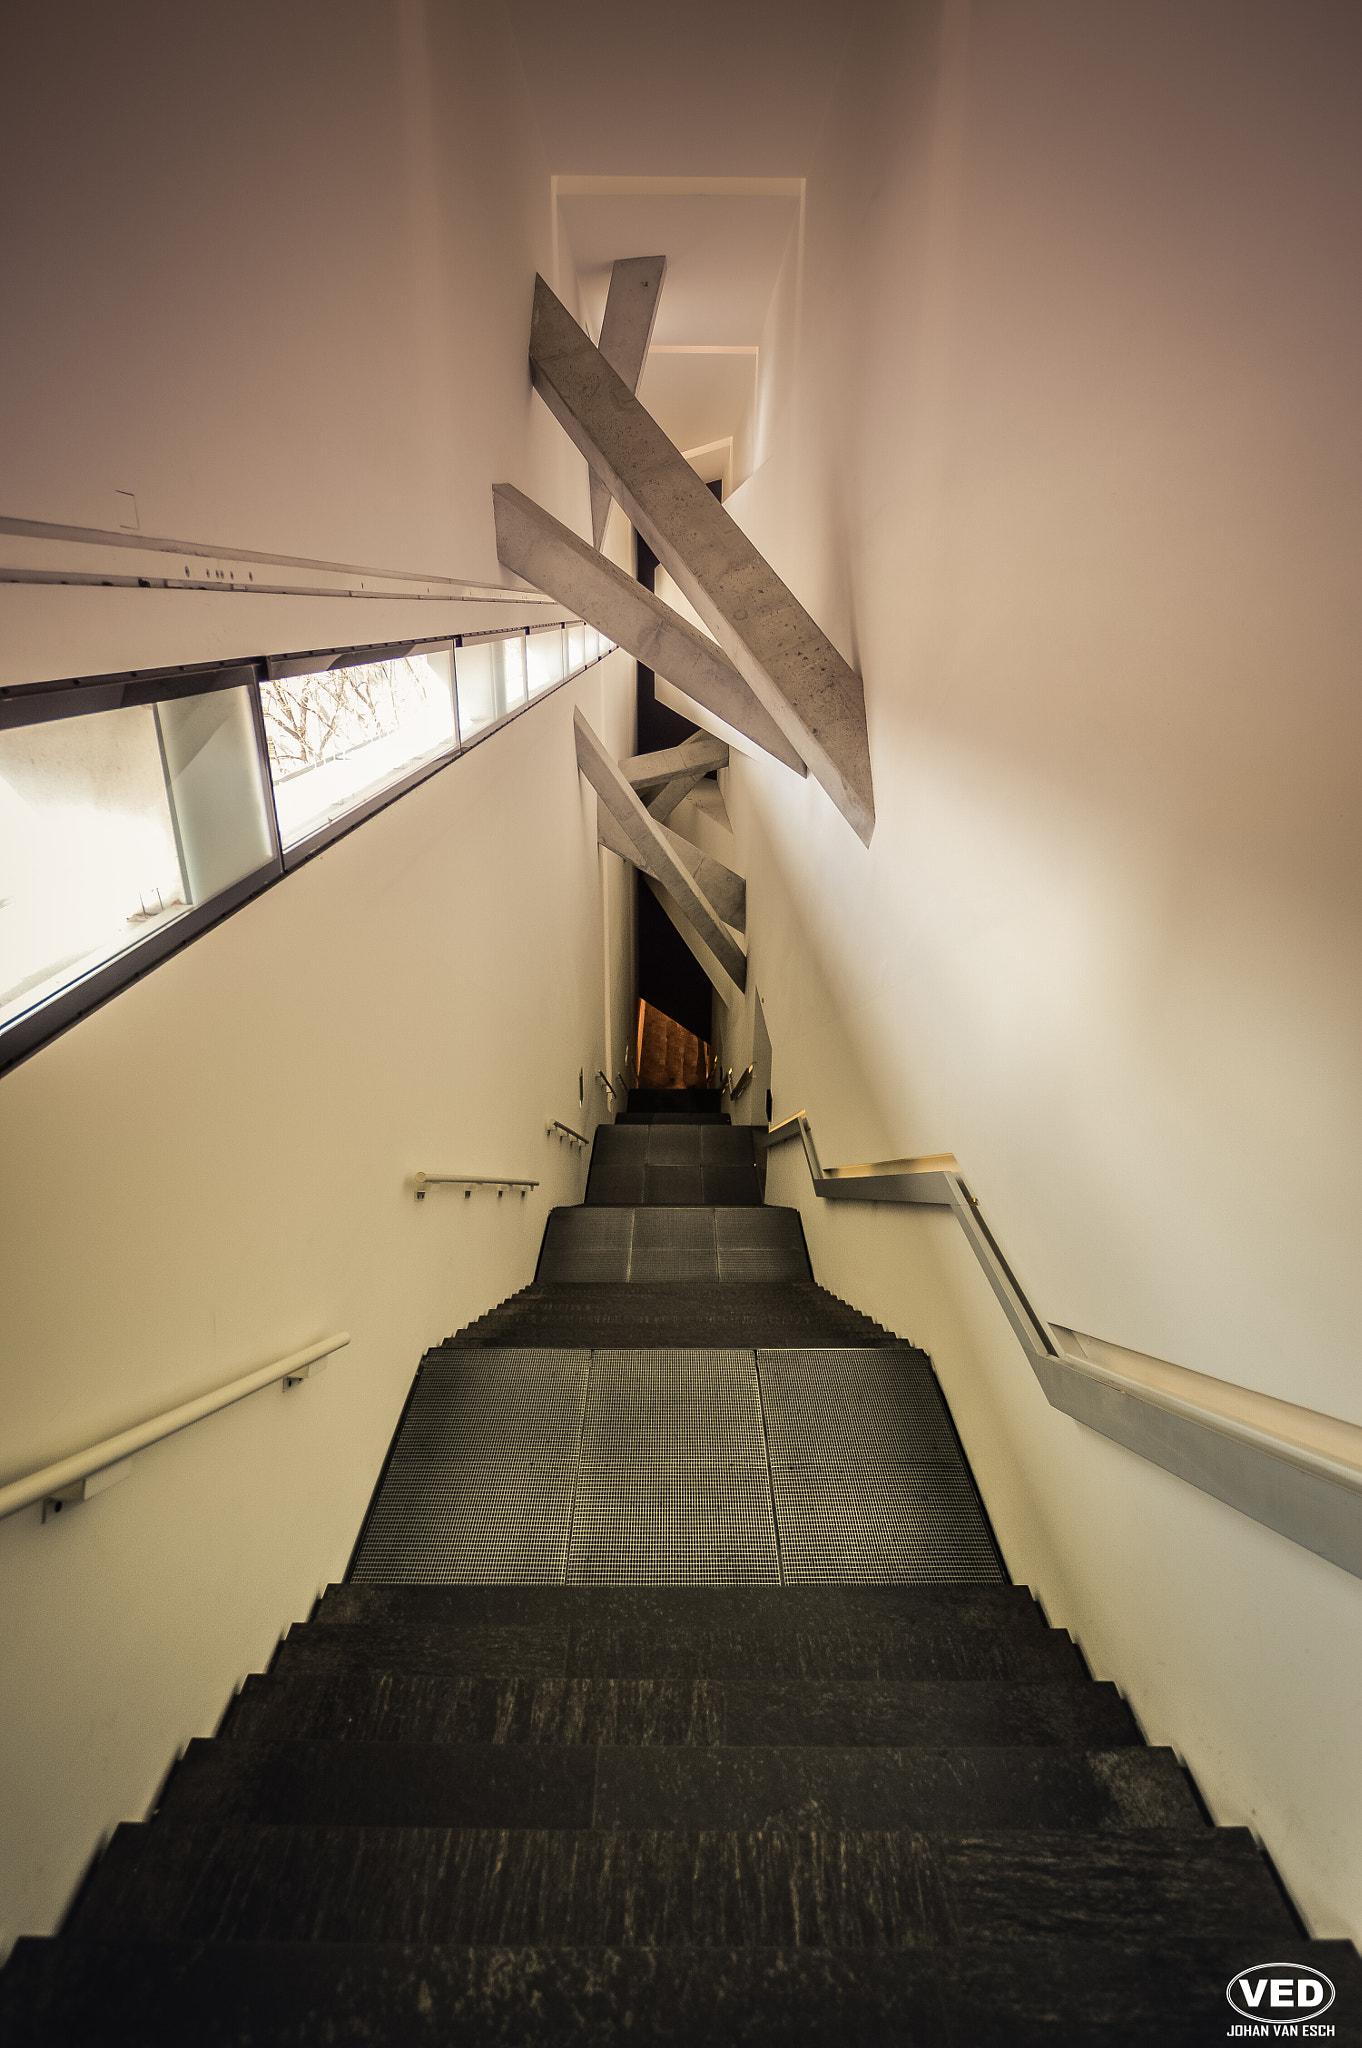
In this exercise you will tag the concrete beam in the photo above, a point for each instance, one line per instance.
(553, 558)
(626, 334)
(674, 793)
(721, 888)
(815, 698)
(698, 754)
(673, 772)
(649, 850)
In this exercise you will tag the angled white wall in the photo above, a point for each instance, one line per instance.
(271, 273)
(1061, 455)
(215, 1169)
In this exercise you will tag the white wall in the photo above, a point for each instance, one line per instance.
(271, 270)
(1064, 462)
(215, 1169)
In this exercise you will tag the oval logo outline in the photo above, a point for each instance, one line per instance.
(1262, 2011)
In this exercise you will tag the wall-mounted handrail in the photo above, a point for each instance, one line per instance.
(49, 1481)
(468, 1181)
(1229, 1440)
(741, 1085)
(561, 1131)
(608, 1086)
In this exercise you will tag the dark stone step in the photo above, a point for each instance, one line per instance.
(1018, 1994)
(583, 1650)
(930, 1608)
(384, 1706)
(667, 1116)
(355, 1784)
(673, 1243)
(669, 1164)
(675, 1101)
(862, 1889)
(613, 1315)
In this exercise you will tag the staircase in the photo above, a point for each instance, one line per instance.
(676, 1693)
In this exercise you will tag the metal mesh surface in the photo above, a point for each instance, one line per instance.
(677, 1467)
(497, 1400)
(673, 1183)
(673, 1403)
(853, 1405)
(690, 1483)
(660, 1547)
(589, 1243)
(448, 1522)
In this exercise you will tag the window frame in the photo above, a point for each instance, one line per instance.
(24, 704)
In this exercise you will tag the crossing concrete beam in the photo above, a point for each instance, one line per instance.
(667, 776)
(626, 333)
(556, 560)
(649, 849)
(701, 752)
(722, 889)
(809, 690)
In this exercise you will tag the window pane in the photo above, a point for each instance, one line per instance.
(111, 826)
(477, 687)
(341, 735)
(576, 640)
(544, 655)
(593, 643)
(491, 681)
(216, 793)
(511, 655)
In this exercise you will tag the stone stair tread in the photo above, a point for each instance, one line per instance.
(383, 1706)
(495, 1785)
(926, 1606)
(722, 1888)
(581, 1649)
(1016, 1994)
(616, 1314)
(682, 1241)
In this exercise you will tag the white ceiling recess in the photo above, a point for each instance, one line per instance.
(725, 240)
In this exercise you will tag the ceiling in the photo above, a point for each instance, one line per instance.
(718, 87)
(720, 106)
(723, 254)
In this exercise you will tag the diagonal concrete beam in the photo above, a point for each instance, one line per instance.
(650, 851)
(809, 690)
(674, 793)
(673, 772)
(626, 331)
(724, 891)
(699, 753)
(557, 561)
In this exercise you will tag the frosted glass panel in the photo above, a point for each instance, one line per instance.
(491, 676)
(544, 658)
(341, 735)
(576, 640)
(111, 826)
(216, 792)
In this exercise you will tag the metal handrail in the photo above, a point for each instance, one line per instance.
(49, 1482)
(741, 1085)
(467, 1181)
(933, 1181)
(1324, 1446)
(565, 1131)
(608, 1086)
